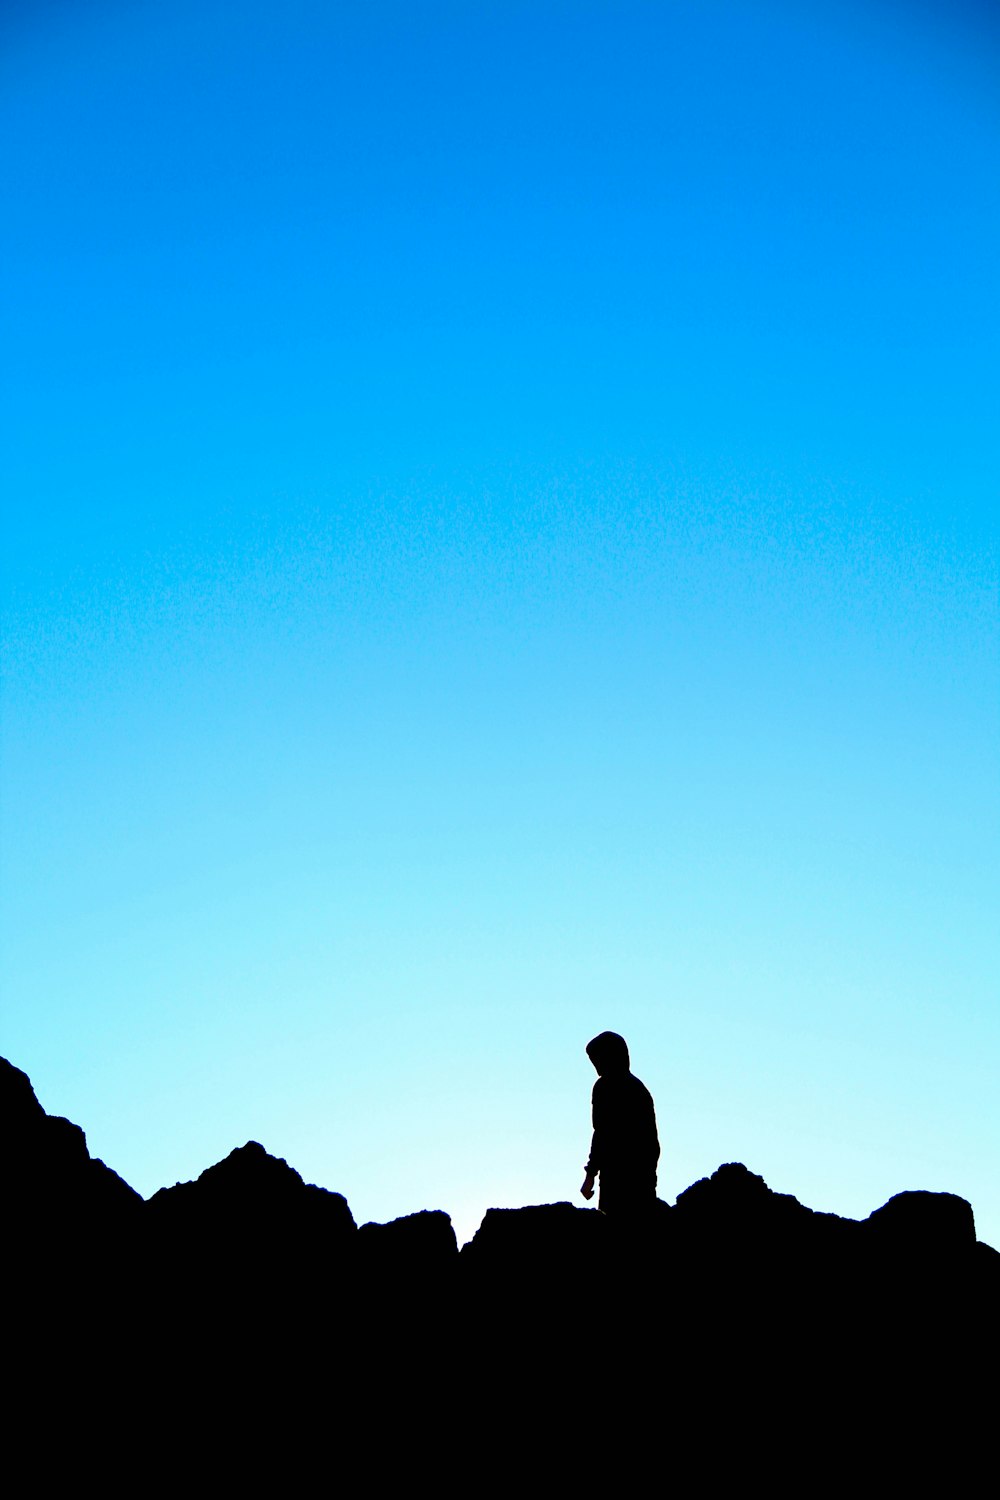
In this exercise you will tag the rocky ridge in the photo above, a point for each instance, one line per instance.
(250, 1302)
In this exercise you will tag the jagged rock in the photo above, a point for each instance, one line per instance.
(249, 1228)
(19, 1109)
(413, 1246)
(735, 1208)
(926, 1223)
(248, 1310)
(736, 1198)
(406, 1284)
(537, 1236)
(49, 1182)
(251, 1190)
(543, 1256)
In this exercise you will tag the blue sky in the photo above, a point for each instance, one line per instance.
(500, 542)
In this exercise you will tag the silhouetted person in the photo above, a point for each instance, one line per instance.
(625, 1148)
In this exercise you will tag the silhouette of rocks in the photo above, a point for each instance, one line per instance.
(738, 1205)
(406, 1289)
(256, 1199)
(252, 1251)
(412, 1248)
(244, 1315)
(926, 1223)
(406, 1273)
(57, 1198)
(71, 1227)
(543, 1240)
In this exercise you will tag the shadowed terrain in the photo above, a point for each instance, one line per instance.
(241, 1329)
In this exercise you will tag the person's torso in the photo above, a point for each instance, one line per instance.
(627, 1120)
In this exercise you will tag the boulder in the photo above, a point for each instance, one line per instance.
(923, 1223)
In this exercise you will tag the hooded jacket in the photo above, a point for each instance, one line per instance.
(625, 1142)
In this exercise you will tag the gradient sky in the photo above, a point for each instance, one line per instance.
(500, 543)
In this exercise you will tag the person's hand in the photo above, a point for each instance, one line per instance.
(588, 1186)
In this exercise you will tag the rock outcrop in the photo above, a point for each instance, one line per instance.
(49, 1182)
(252, 1214)
(245, 1317)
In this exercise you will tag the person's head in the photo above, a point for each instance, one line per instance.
(609, 1053)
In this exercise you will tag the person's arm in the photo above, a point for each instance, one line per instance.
(594, 1163)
